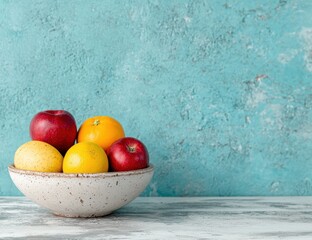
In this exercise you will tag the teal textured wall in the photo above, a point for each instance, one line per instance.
(219, 91)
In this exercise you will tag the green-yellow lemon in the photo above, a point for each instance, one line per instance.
(38, 156)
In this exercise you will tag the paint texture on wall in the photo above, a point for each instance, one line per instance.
(219, 91)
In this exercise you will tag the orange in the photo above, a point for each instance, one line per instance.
(85, 157)
(102, 130)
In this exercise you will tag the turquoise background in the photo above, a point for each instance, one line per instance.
(219, 91)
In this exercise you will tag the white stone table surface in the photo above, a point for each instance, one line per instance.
(167, 218)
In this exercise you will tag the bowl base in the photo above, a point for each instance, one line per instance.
(82, 215)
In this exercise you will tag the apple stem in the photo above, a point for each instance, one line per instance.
(96, 122)
(131, 149)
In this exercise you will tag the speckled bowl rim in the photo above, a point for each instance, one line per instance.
(150, 168)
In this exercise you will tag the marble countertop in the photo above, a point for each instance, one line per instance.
(167, 218)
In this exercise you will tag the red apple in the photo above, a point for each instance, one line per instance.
(127, 154)
(56, 127)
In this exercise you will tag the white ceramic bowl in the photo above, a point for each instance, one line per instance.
(81, 195)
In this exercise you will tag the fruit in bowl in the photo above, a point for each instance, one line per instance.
(102, 130)
(127, 154)
(85, 157)
(38, 156)
(56, 127)
(75, 179)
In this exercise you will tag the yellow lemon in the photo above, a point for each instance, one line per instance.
(38, 156)
(85, 157)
